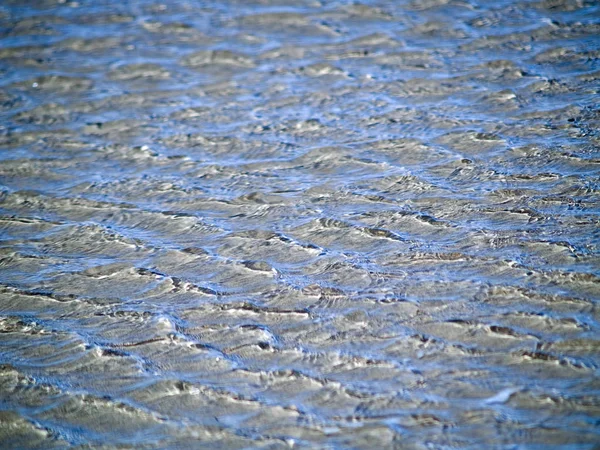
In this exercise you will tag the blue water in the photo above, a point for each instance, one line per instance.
(308, 224)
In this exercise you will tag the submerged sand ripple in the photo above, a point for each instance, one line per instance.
(304, 224)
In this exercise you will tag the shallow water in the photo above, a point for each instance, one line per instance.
(270, 224)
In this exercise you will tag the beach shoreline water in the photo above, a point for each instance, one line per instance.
(274, 224)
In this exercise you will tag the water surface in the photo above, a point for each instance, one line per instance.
(266, 224)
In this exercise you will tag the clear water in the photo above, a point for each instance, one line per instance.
(271, 224)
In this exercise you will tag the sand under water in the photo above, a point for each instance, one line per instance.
(274, 224)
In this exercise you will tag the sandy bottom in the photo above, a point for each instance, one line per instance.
(274, 224)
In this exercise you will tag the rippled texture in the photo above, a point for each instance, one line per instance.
(268, 224)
